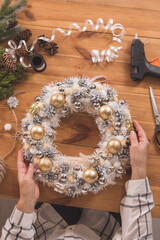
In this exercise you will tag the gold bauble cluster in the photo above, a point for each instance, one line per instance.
(105, 111)
(37, 132)
(57, 100)
(114, 146)
(34, 108)
(129, 125)
(45, 164)
(90, 175)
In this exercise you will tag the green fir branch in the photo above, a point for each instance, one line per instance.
(4, 23)
(5, 4)
(7, 15)
(14, 9)
(8, 79)
(10, 32)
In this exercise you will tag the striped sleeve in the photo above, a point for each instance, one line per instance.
(19, 226)
(135, 210)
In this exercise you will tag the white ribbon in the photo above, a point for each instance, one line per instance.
(109, 54)
(97, 77)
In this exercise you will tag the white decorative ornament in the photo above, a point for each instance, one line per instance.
(7, 127)
(12, 102)
(109, 54)
(82, 174)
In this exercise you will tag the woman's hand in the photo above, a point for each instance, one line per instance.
(138, 152)
(29, 190)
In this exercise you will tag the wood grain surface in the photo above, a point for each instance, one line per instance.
(79, 132)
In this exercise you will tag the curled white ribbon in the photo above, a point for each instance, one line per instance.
(96, 55)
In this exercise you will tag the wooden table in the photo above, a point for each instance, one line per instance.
(79, 133)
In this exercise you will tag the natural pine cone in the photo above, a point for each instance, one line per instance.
(2, 169)
(20, 52)
(12, 24)
(51, 48)
(24, 35)
(41, 42)
(8, 62)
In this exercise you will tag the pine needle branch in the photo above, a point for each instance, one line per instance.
(15, 8)
(10, 32)
(8, 79)
(5, 4)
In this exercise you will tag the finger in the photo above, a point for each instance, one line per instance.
(30, 171)
(133, 139)
(141, 133)
(22, 169)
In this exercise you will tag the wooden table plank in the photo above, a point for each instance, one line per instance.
(143, 4)
(61, 14)
(74, 59)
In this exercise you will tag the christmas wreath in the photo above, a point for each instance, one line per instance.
(85, 173)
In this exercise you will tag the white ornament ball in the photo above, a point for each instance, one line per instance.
(7, 126)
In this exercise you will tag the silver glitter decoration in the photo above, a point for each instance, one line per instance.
(25, 126)
(77, 168)
(102, 180)
(80, 182)
(64, 168)
(119, 170)
(108, 171)
(50, 135)
(37, 119)
(61, 89)
(65, 109)
(59, 83)
(12, 102)
(100, 170)
(77, 105)
(39, 154)
(49, 110)
(115, 133)
(92, 86)
(96, 105)
(50, 177)
(27, 156)
(71, 191)
(122, 102)
(117, 124)
(63, 178)
(84, 191)
(79, 94)
(82, 83)
(38, 98)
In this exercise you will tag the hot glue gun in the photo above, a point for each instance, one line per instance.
(139, 64)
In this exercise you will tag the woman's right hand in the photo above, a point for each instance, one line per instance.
(138, 152)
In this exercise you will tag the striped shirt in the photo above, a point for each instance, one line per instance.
(46, 223)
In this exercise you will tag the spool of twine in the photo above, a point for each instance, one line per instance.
(2, 169)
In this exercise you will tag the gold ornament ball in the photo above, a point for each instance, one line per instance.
(105, 111)
(45, 164)
(90, 175)
(34, 108)
(114, 146)
(57, 100)
(37, 132)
